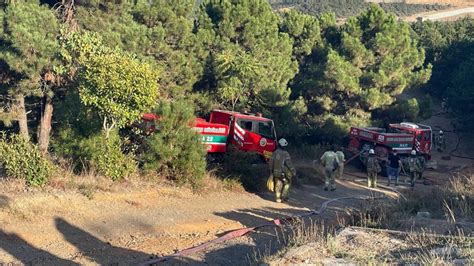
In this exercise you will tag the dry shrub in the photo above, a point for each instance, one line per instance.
(461, 195)
(313, 231)
(427, 248)
(213, 183)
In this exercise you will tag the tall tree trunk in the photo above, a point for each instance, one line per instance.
(44, 127)
(20, 112)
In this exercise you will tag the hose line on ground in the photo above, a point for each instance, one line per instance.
(243, 231)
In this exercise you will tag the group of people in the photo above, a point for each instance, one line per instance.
(416, 165)
(282, 169)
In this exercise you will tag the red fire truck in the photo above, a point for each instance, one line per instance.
(248, 132)
(403, 138)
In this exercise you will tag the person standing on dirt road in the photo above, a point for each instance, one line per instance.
(444, 105)
(373, 168)
(415, 166)
(394, 166)
(341, 158)
(441, 141)
(282, 170)
(331, 163)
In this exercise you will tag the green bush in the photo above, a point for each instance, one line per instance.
(409, 110)
(107, 158)
(21, 159)
(174, 150)
(103, 155)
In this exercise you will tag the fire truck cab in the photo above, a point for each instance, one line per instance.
(248, 131)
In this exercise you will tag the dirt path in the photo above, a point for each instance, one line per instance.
(457, 144)
(450, 14)
(130, 227)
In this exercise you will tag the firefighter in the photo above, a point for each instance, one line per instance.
(331, 163)
(341, 158)
(415, 166)
(444, 105)
(373, 168)
(282, 170)
(441, 141)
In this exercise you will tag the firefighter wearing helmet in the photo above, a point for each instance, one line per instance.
(281, 170)
(415, 166)
(441, 141)
(373, 168)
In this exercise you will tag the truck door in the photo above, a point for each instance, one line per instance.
(266, 138)
(255, 135)
(423, 140)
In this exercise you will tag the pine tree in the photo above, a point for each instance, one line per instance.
(361, 67)
(28, 36)
(249, 30)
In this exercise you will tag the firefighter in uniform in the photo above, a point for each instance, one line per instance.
(282, 170)
(415, 166)
(373, 168)
(331, 163)
(341, 158)
(441, 141)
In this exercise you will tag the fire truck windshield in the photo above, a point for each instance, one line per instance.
(265, 129)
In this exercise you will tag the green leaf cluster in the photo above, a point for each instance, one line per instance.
(22, 159)
(106, 157)
(118, 86)
(250, 59)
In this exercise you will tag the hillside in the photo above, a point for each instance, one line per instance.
(346, 8)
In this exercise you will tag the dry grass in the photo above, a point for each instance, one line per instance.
(454, 203)
(213, 183)
(89, 182)
(297, 234)
(427, 248)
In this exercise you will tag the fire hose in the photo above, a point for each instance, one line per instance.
(233, 234)
(456, 148)
(243, 231)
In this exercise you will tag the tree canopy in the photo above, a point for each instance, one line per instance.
(108, 62)
(362, 66)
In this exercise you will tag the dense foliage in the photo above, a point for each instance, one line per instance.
(360, 67)
(86, 66)
(450, 48)
(119, 87)
(105, 156)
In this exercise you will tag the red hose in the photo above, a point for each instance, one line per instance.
(243, 231)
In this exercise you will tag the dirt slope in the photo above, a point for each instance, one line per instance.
(130, 227)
